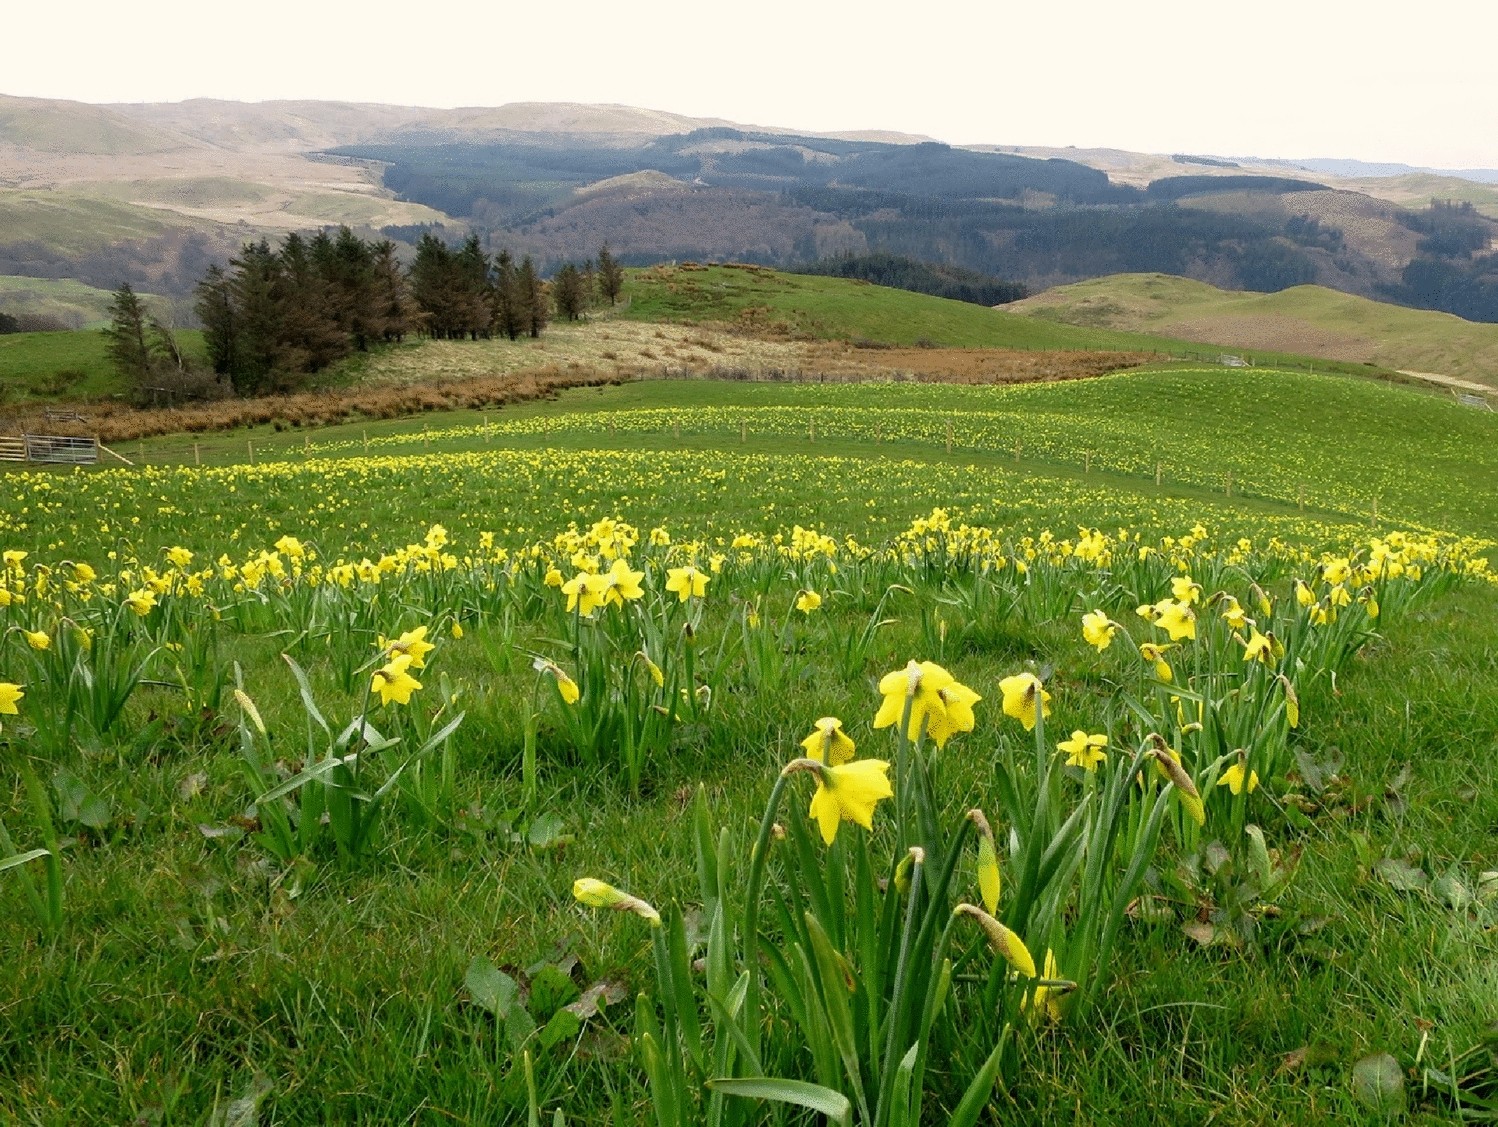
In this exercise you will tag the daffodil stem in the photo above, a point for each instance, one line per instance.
(750, 937)
(895, 1015)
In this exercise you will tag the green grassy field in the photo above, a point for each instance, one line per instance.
(1310, 320)
(74, 304)
(65, 366)
(215, 950)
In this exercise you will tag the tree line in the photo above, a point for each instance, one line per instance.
(276, 315)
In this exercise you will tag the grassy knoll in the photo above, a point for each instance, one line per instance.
(1310, 320)
(197, 958)
(76, 223)
(73, 304)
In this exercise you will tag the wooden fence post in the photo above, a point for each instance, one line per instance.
(1300, 495)
(1087, 462)
(1017, 446)
(1230, 483)
(196, 458)
(743, 431)
(250, 445)
(366, 442)
(1158, 469)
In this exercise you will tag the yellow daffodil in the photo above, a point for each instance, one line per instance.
(1292, 701)
(848, 794)
(1303, 594)
(620, 583)
(1234, 777)
(687, 582)
(1083, 750)
(566, 686)
(584, 593)
(291, 547)
(596, 894)
(180, 557)
(1233, 613)
(412, 642)
(988, 861)
(1098, 630)
(1045, 1001)
(83, 573)
(1258, 648)
(10, 696)
(1176, 618)
(807, 601)
(38, 639)
(553, 578)
(392, 681)
(1005, 942)
(141, 601)
(653, 669)
(456, 630)
(937, 701)
(1147, 611)
(829, 743)
(1184, 589)
(1155, 655)
(1020, 693)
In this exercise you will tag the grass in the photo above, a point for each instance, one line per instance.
(75, 223)
(74, 304)
(191, 963)
(65, 366)
(1310, 320)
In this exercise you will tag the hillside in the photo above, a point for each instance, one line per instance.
(153, 192)
(1306, 319)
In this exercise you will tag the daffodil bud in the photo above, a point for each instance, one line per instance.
(598, 894)
(988, 861)
(1004, 942)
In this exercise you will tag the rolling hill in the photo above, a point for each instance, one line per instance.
(1311, 320)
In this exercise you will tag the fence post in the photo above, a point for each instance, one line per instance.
(949, 436)
(250, 444)
(426, 439)
(366, 442)
(486, 428)
(141, 453)
(743, 431)
(676, 430)
(878, 434)
(1300, 495)
(1157, 474)
(1087, 462)
(196, 459)
(1375, 510)
(1230, 483)
(1017, 447)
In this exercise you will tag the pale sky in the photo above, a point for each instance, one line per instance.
(1272, 78)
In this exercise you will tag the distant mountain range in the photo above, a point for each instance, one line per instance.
(153, 193)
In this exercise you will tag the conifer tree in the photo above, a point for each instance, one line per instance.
(127, 343)
(610, 275)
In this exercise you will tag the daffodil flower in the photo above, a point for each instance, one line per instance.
(1155, 654)
(1176, 618)
(141, 601)
(38, 639)
(620, 583)
(1237, 778)
(1233, 613)
(1045, 999)
(938, 702)
(10, 696)
(1258, 648)
(1020, 694)
(687, 582)
(583, 593)
(1184, 589)
(1098, 630)
(807, 601)
(566, 686)
(847, 793)
(392, 681)
(412, 642)
(1083, 750)
(829, 743)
